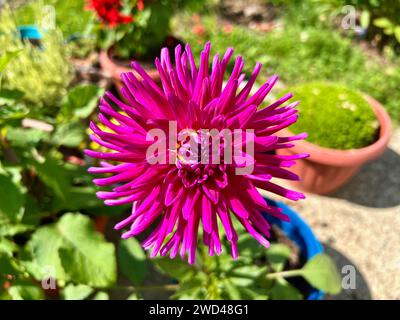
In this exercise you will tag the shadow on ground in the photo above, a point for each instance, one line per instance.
(361, 290)
(377, 184)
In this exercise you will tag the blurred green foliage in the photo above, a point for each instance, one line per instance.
(334, 116)
(303, 54)
(257, 274)
(41, 73)
(75, 22)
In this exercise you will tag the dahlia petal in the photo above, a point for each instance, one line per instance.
(173, 198)
(207, 213)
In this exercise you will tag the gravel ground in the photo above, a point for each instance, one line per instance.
(360, 226)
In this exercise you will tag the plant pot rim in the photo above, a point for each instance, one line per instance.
(114, 68)
(352, 157)
(299, 231)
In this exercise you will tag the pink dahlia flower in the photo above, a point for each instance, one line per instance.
(173, 198)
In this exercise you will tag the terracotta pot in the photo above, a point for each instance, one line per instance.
(114, 68)
(326, 170)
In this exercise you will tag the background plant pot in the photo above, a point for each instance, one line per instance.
(326, 170)
(30, 32)
(114, 68)
(299, 232)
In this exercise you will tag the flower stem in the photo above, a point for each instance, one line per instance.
(166, 287)
(284, 274)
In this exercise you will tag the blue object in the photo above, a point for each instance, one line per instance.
(29, 32)
(298, 231)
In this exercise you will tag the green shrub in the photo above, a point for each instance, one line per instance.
(302, 54)
(76, 23)
(334, 116)
(42, 74)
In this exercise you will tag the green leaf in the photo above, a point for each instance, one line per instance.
(101, 295)
(322, 274)
(85, 255)
(80, 198)
(249, 271)
(397, 33)
(9, 230)
(253, 293)
(22, 137)
(44, 246)
(77, 292)
(81, 101)
(383, 23)
(192, 288)
(25, 290)
(133, 296)
(231, 290)
(53, 175)
(12, 207)
(283, 290)
(12, 112)
(242, 282)
(8, 265)
(248, 246)
(7, 246)
(132, 260)
(277, 255)
(175, 268)
(75, 250)
(6, 58)
(69, 134)
(365, 18)
(10, 96)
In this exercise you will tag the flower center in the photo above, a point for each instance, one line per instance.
(194, 161)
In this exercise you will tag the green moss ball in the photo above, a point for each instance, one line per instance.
(334, 116)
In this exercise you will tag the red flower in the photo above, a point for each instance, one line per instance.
(109, 12)
(140, 5)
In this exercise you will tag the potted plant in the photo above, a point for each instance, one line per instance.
(345, 130)
(134, 30)
(294, 267)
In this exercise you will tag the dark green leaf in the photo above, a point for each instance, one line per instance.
(231, 290)
(191, 289)
(12, 205)
(25, 290)
(175, 268)
(10, 96)
(13, 111)
(81, 101)
(69, 134)
(53, 175)
(283, 290)
(132, 260)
